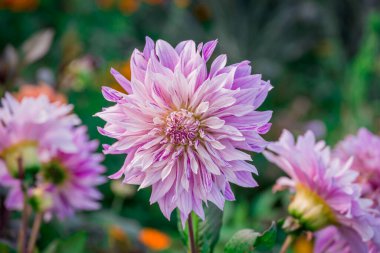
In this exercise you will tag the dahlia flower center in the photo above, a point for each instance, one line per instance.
(55, 173)
(310, 209)
(27, 151)
(182, 127)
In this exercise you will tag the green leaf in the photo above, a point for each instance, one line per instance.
(73, 244)
(6, 248)
(247, 240)
(52, 248)
(242, 242)
(267, 239)
(206, 233)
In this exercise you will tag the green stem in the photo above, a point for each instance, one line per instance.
(193, 247)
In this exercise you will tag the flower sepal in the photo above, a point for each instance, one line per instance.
(22, 160)
(311, 211)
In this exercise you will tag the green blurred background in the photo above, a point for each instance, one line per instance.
(322, 57)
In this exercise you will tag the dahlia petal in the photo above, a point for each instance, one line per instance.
(213, 122)
(111, 94)
(167, 55)
(208, 49)
(149, 47)
(122, 81)
(218, 64)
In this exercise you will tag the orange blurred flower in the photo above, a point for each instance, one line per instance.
(303, 245)
(41, 89)
(19, 5)
(154, 239)
(129, 6)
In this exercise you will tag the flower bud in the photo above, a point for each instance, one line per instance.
(40, 200)
(23, 154)
(312, 212)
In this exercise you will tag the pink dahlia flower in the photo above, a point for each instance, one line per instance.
(69, 175)
(36, 122)
(331, 240)
(364, 148)
(183, 127)
(325, 190)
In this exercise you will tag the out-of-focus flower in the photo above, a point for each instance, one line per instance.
(184, 128)
(32, 126)
(331, 240)
(129, 6)
(303, 245)
(364, 148)
(325, 190)
(38, 90)
(69, 170)
(39, 200)
(78, 73)
(19, 5)
(154, 239)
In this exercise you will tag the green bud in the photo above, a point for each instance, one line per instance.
(40, 200)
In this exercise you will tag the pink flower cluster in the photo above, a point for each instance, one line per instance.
(68, 168)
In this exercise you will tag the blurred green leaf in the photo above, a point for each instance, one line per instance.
(268, 239)
(73, 244)
(242, 242)
(247, 240)
(6, 248)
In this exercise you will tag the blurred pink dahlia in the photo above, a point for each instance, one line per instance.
(68, 169)
(331, 240)
(325, 190)
(364, 148)
(183, 127)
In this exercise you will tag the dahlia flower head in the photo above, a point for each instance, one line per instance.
(183, 127)
(325, 190)
(331, 240)
(69, 170)
(364, 148)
